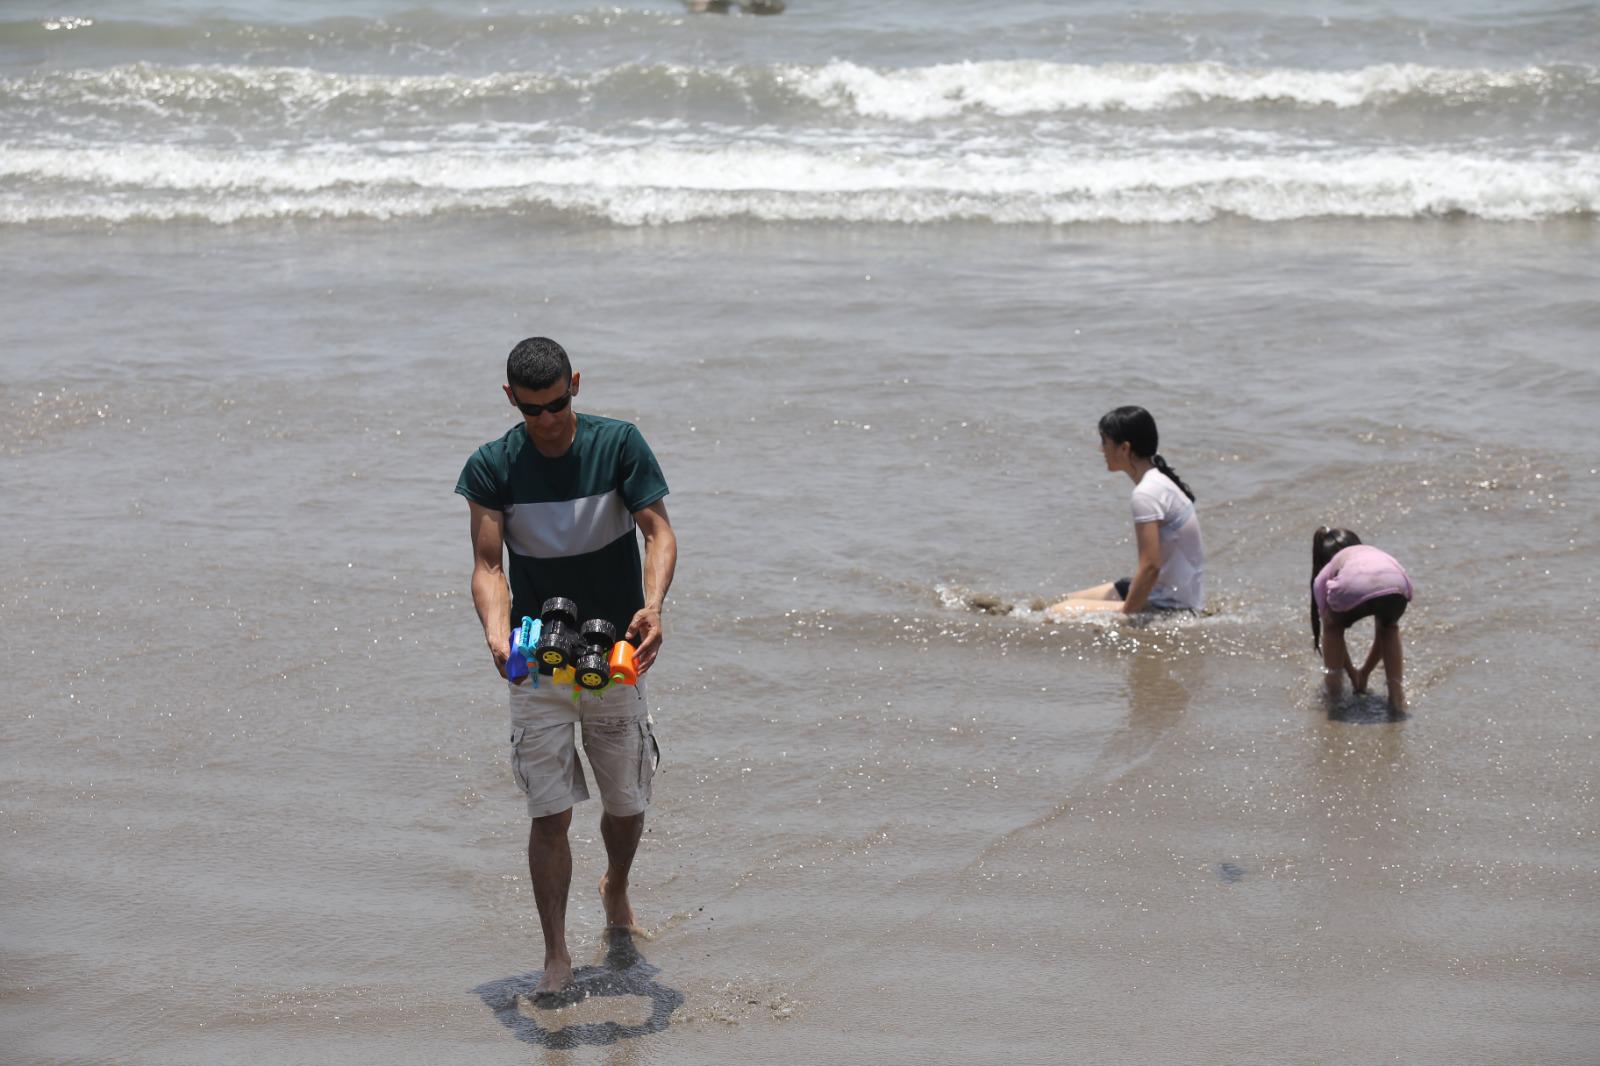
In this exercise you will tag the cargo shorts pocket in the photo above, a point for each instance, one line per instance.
(649, 752)
(517, 770)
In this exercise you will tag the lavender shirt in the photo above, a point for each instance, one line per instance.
(1356, 575)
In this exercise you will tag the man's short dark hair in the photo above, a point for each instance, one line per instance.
(537, 363)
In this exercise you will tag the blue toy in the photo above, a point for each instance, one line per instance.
(523, 640)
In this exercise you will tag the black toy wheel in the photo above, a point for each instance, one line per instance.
(559, 609)
(555, 646)
(593, 672)
(599, 633)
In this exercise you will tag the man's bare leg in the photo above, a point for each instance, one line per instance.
(550, 867)
(621, 834)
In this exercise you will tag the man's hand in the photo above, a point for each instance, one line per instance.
(644, 633)
(500, 649)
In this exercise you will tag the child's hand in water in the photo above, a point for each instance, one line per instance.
(1358, 679)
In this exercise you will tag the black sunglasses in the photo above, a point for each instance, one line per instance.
(534, 410)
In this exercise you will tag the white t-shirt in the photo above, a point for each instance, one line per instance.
(1156, 498)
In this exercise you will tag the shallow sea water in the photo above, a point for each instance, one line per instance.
(254, 793)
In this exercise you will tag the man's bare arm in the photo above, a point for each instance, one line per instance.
(660, 561)
(490, 594)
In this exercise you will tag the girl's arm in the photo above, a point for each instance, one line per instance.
(1358, 678)
(1148, 536)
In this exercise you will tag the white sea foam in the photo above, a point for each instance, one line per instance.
(1031, 87)
(1001, 87)
(155, 86)
(164, 88)
(672, 183)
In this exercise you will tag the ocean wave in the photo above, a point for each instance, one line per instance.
(917, 94)
(420, 28)
(151, 86)
(1029, 87)
(298, 32)
(666, 184)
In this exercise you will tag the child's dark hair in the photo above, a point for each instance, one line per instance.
(1325, 544)
(1136, 427)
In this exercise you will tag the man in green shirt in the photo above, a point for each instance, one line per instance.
(561, 495)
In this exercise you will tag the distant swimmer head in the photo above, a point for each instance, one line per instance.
(1326, 542)
(749, 7)
(1130, 432)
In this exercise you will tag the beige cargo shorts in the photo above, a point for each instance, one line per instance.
(618, 740)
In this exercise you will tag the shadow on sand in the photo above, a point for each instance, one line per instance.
(623, 973)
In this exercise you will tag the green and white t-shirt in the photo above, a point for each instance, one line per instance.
(569, 526)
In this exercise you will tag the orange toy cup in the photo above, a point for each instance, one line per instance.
(623, 671)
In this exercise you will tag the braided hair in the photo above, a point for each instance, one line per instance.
(1325, 544)
(1136, 427)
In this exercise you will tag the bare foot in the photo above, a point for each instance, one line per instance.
(557, 977)
(619, 912)
(988, 603)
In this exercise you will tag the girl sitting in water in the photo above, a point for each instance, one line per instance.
(1165, 527)
(1351, 581)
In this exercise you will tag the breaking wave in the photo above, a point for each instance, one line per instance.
(1007, 142)
(659, 184)
(1031, 87)
(1004, 88)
